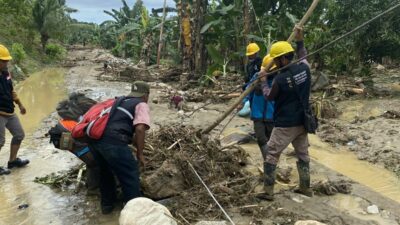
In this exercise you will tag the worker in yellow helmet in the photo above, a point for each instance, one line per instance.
(8, 119)
(290, 91)
(261, 110)
(254, 61)
(253, 66)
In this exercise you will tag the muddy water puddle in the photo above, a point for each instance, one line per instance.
(378, 179)
(40, 94)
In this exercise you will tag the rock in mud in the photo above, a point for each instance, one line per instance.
(373, 209)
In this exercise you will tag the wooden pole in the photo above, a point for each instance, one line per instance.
(253, 85)
(160, 44)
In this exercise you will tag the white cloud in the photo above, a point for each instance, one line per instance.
(92, 10)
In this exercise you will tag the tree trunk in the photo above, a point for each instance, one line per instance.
(186, 37)
(200, 60)
(44, 38)
(246, 20)
(246, 30)
(160, 44)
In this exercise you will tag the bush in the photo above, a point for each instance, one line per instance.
(18, 53)
(55, 51)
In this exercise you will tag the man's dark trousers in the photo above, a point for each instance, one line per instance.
(118, 160)
(263, 130)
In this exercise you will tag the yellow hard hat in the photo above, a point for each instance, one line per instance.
(266, 60)
(252, 49)
(280, 48)
(4, 53)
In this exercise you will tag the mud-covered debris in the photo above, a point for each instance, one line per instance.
(212, 223)
(61, 179)
(283, 173)
(332, 187)
(169, 151)
(391, 114)
(324, 107)
(23, 206)
(308, 222)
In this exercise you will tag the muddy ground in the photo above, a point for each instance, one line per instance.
(369, 138)
(368, 128)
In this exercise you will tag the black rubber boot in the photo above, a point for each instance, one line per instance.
(106, 209)
(269, 182)
(4, 171)
(304, 179)
(17, 163)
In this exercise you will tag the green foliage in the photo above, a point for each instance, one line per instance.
(50, 18)
(55, 52)
(18, 53)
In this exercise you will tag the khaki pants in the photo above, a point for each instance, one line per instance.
(14, 126)
(280, 139)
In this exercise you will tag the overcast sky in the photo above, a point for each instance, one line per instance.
(92, 10)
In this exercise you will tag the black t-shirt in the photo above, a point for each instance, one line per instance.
(289, 111)
(6, 89)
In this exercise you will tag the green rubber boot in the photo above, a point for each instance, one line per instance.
(269, 182)
(304, 179)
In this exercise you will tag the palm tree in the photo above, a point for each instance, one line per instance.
(49, 16)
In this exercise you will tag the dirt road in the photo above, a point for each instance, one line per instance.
(50, 206)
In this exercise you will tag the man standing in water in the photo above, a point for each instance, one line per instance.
(8, 119)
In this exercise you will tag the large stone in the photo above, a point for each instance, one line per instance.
(144, 211)
(373, 209)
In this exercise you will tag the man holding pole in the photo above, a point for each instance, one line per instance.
(290, 91)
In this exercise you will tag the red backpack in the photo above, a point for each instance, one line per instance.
(95, 120)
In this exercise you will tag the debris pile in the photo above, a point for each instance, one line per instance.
(63, 179)
(169, 152)
(330, 187)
